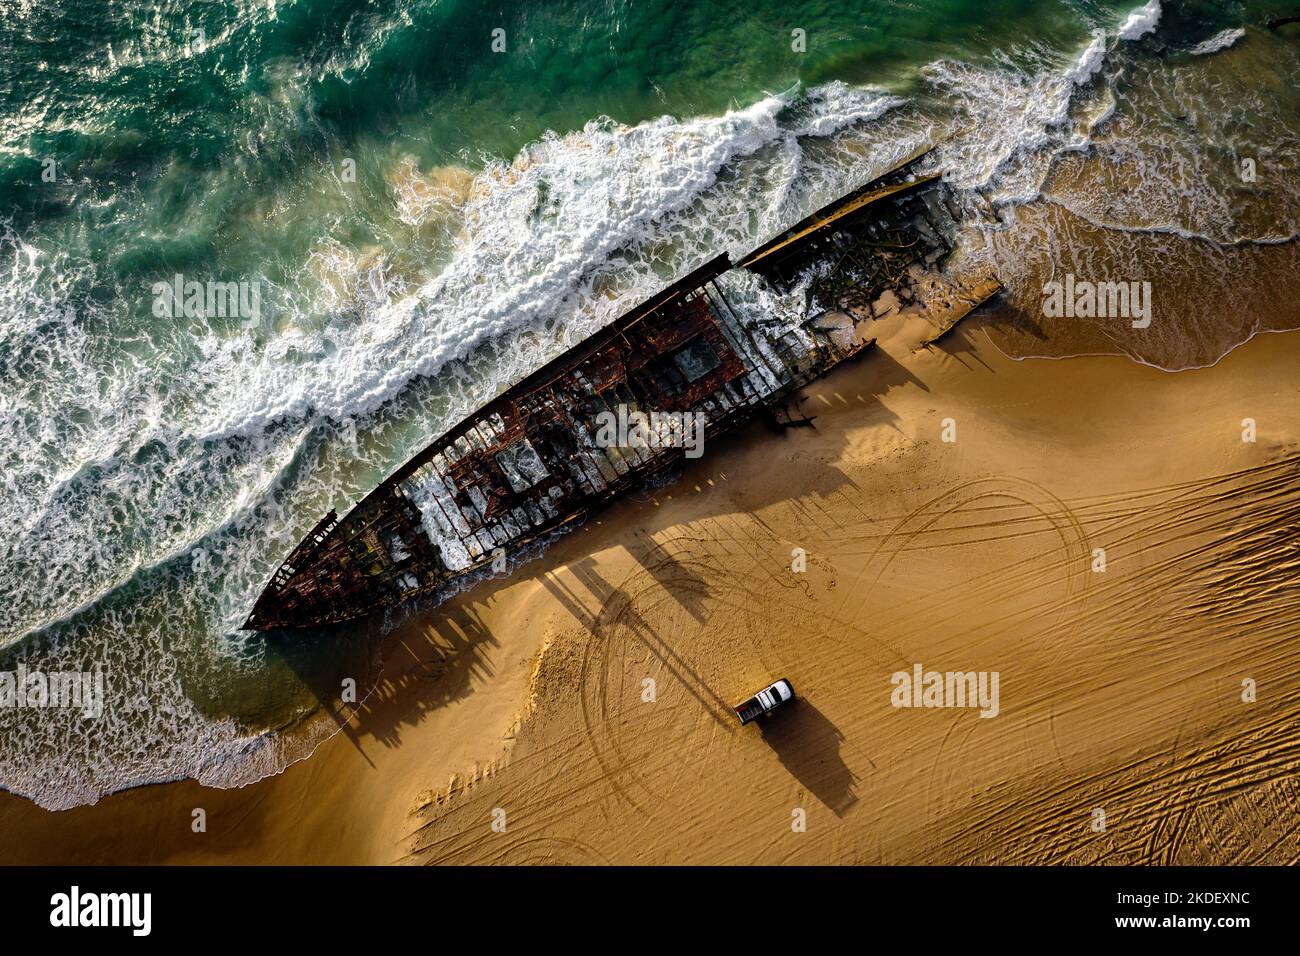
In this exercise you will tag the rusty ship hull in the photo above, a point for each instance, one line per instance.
(528, 462)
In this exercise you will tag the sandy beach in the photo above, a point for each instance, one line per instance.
(583, 705)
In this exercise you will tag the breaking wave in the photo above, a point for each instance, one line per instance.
(1141, 21)
(1220, 41)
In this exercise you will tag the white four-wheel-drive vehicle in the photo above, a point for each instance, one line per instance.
(765, 701)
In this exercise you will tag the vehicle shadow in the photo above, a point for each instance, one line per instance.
(808, 745)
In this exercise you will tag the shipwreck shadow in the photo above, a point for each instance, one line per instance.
(1005, 319)
(445, 656)
(808, 745)
(617, 612)
(680, 581)
(404, 666)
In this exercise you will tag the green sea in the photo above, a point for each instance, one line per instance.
(430, 198)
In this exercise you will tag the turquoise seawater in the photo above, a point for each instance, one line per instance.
(433, 197)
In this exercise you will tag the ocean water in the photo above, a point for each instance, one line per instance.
(427, 219)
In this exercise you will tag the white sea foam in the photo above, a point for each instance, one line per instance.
(837, 105)
(1090, 60)
(1220, 41)
(1018, 119)
(1141, 21)
(1012, 124)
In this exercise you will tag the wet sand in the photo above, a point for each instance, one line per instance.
(1120, 690)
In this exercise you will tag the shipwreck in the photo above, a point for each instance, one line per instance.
(530, 461)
